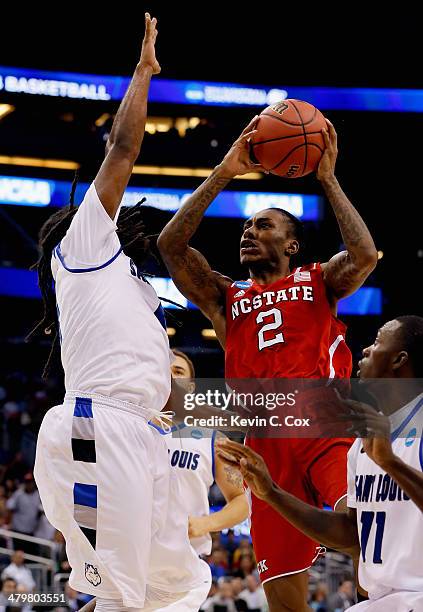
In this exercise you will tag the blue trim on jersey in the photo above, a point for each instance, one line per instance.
(159, 313)
(85, 495)
(421, 451)
(213, 438)
(396, 433)
(83, 407)
(58, 321)
(81, 270)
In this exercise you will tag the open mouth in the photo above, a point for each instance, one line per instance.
(248, 245)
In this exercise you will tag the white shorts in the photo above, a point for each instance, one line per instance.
(399, 601)
(192, 601)
(103, 477)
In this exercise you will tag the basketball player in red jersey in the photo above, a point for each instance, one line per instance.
(278, 324)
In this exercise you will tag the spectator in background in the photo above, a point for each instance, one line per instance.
(3, 499)
(253, 595)
(60, 555)
(218, 563)
(237, 587)
(8, 587)
(25, 507)
(246, 566)
(19, 572)
(75, 600)
(10, 486)
(244, 548)
(223, 601)
(318, 601)
(343, 598)
(44, 529)
(4, 524)
(230, 542)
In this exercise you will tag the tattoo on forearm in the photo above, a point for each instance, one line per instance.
(196, 267)
(188, 218)
(233, 476)
(353, 229)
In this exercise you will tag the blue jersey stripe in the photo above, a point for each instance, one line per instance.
(83, 407)
(212, 455)
(82, 270)
(395, 434)
(85, 494)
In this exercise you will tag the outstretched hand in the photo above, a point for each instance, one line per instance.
(148, 51)
(251, 465)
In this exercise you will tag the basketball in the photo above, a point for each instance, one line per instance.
(289, 140)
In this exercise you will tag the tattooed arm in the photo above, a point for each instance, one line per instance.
(189, 268)
(346, 271)
(236, 510)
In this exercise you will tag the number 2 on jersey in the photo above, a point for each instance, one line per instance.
(275, 324)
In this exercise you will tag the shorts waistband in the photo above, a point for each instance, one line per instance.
(111, 402)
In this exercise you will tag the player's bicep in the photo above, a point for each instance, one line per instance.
(112, 178)
(342, 276)
(194, 278)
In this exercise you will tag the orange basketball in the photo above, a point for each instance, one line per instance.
(289, 140)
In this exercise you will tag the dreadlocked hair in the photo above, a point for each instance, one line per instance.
(135, 244)
(50, 235)
(131, 233)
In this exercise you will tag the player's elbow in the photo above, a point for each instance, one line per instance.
(163, 242)
(167, 243)
(367, 261)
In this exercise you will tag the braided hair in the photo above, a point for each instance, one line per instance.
(135, 244)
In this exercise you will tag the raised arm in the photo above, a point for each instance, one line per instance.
(346, 271)
(124, 143)
(188, 268)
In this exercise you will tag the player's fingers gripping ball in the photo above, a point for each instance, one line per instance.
(288, 139)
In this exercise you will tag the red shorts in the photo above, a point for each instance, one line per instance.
(315, 471)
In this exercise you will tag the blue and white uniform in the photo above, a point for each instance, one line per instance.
(192, 466)
(101, 470)
(389, 524)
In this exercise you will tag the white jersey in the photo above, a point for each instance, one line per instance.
(390, 525)
(113, 333)
(191, 456)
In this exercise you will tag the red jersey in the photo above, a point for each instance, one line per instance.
(340, 358)
(281, 330)
(287, 330)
